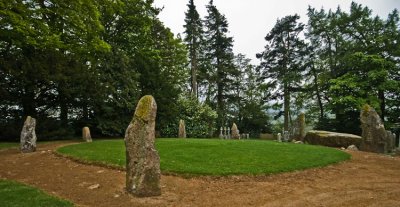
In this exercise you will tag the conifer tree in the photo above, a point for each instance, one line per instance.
(193, 39)
(281, 61)
(220, 56)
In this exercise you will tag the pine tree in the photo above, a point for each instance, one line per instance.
(281, 61)
(220, 56)
(193, 38)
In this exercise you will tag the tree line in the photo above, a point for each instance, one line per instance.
(87, 63)
(328, 68)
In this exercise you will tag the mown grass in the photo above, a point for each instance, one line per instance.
(14, 194)
(215, 157)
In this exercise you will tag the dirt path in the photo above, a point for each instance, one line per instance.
(366, 180)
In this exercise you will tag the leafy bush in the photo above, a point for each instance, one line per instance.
(200, 119)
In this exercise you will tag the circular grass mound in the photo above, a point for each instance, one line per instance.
(214, 157)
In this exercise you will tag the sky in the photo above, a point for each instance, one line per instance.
(250, 20)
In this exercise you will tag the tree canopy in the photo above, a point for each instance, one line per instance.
(86, 63)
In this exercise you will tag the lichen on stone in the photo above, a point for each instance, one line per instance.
(144, 108)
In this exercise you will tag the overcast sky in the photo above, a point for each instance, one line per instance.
(250, 20)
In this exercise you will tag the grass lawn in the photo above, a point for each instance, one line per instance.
(16, 194)
(4, 145)
(215, 157)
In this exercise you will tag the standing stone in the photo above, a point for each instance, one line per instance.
(235, 132)
(352, 147)
(299, 128)
(374, 136)
(398, 143)
(142, 159)
(302, 127)
(279, 137)
(28, 136)
(391, 140)
(86, 134)
(221, 135)
(225, 133)
(182, 129)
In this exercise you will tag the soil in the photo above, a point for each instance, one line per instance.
(367, 179)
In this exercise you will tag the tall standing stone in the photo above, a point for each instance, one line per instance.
(86, 134)
(374, 135)
(391, 140)
(182, 129)
(28, 136)
(235, 132)
(302, 126)
(299, 128)
(142, 159)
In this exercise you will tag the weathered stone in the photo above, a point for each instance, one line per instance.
(86, 134)
(391, 140)
(235, 132)
(28, 136)
(267, 136)
(142, 159)
(374, 135)
(331, 139)
(279, 137)
(352, 147)
(94, 186)
(221, 134)
(182, 129)
(397, 139)
(286, 136)
(298, 129)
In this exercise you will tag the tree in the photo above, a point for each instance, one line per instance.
(247, 103)
(346, 47)
(163, 73)
(220, 56)
(281, 62)
(47, 48)
(193, 39)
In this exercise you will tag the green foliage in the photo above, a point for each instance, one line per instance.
(221, 69)
(17, 194)
(354, 62)
(248, 108)
(200, 119)
(194, 38)
(215, 157)
(85, 63)
(281, 61)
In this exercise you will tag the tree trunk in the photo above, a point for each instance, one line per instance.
(64, 112)
(381, 97)
(194, 76)
(286, 105)
(220, 95)
(316, 86)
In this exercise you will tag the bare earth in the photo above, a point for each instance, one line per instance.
(366, 180)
